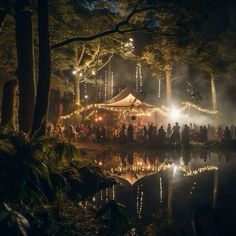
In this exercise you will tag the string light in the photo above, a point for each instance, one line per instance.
(100, 89)
(105, 86)
(200, 170)
(139, 201)
(85, 87)
(136, 78)
(189, 104)
(107, 194)
(112, 84)
(161, 191)
(159, 88)
(101, 195)
(139, 167)
(128, 47)
(76, 70)
(139, 78)
(163, 110)
(113, 192)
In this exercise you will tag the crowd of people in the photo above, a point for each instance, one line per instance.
(132, 133)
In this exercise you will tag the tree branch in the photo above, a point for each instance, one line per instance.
(115, 29)
(93, 58)
(86, 78)
(81, 56)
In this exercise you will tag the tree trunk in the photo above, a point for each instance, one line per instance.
(59, 106)
(9, 103)
(25, 63)
(2, 17)
(4, 7)
(168, 71)
(42, 100)
(77, 90)
(213, 93)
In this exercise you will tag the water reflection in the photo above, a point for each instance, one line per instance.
(179, 181)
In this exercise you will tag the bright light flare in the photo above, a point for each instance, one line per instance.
(175, 169)
(174, 114)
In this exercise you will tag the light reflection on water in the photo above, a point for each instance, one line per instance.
(179, 181)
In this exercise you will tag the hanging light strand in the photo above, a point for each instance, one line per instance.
(189, 104)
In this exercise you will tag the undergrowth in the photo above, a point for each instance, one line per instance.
(42, 182)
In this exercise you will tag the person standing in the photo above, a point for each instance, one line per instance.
(168, 133)
(130, 133)
(176, 133)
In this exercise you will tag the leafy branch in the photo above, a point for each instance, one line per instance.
(118, 28)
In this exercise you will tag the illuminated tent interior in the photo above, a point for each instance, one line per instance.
(125, 103)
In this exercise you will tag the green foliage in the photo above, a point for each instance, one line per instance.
(13, 221)
(37, 175)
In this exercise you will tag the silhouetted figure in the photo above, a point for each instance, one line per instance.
(98, 134)
(168, 133)
(227, 135)
(200, 138)
(122, 134)
(150, 132)
(154, 132)
(220, 131)
(205, 134)
(185, 136)
(176, 134)
(130, 133)
(103, 134)
(145, 132)
(161, 137)
(70, 132)
(232, 130)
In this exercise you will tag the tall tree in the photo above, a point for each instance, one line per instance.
(39, 126)
(25, 63)
(9, 103)
(4, 10)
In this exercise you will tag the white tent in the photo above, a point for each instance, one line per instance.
(127, 100)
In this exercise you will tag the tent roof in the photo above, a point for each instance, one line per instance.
(127, 98)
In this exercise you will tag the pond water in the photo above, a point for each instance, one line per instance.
(179, 182)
